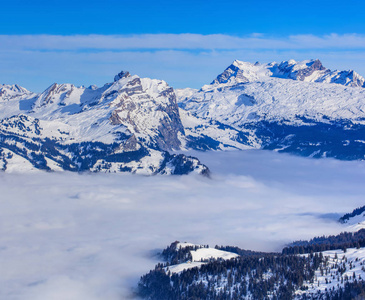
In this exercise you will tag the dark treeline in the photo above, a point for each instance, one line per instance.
(276, 275)
(354, 213)
(243, 252)
(342, 241)
(258, 275)
(351, 291)
(173, 254)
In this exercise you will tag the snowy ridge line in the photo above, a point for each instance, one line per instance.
(283, 107)
(307, 70)
(129, 124)
(199, 257)
(124, 126)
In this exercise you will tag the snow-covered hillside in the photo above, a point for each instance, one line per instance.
(251, 94)
(292, 107)
(213, 273)
(355, 220)
(200, 256)
(337, 269)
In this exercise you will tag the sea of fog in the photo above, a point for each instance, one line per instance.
(91, 236)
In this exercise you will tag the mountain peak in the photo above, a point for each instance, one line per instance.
(122, 74)
(9, 92)
(307, 70)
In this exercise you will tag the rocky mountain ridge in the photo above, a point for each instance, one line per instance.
(124, 126)
(308, 70)
(131, 124)
(283, 107)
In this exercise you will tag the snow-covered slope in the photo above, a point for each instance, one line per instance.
(195, 256)
(245, 92)
(127, 125)
(308, 70)
(206, 273)
(10, 92)
(308, 115)
(328, 277)
(145, 107)
(131, 123)
(199, 257)
(355, 220)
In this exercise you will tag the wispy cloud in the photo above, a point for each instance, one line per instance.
(183, 60)
(180, 41)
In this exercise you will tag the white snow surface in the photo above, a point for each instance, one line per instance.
(211, 253)
(307, 70)
(196, 127)
(199, 257)
(355, 223)
(277, 99)
(353, 259)
(184, 266)
(13, 92)
(185, 93)
(268, 92)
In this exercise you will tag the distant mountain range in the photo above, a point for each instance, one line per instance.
(135, 124)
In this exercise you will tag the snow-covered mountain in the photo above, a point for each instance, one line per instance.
(292, 107)
(308, 70)
(127, 125)
(9, 92)
(131, 123)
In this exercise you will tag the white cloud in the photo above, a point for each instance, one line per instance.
(183, 60)
(90, 236)
(180, 41)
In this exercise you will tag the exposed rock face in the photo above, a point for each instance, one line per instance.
(56, 93)
(231, 71)
(310, 71)
(130, 124)
(147, 105)
(349, 78)
(288, 68)
(282, 107)
(122, 74)
(124, 126)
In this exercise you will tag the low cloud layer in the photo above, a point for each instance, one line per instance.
(91, 236)
(183, 60)
(181, 41)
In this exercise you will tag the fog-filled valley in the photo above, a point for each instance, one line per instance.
(91, 236)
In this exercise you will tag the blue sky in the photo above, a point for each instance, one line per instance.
(186, 43)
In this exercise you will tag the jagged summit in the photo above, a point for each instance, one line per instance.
(307, 70)
(122, 74)
(131, 124)
(9, 92)
(128, 125)
(298, 70)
